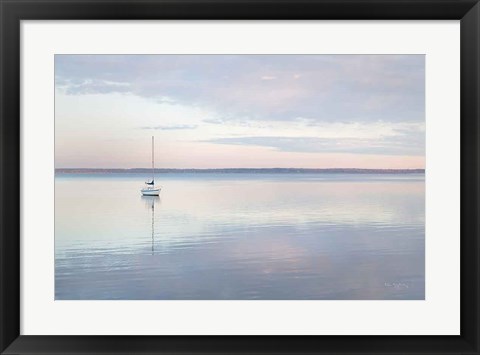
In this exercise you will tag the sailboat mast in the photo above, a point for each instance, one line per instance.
(153, 159)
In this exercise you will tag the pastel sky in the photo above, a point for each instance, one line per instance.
(221, 111)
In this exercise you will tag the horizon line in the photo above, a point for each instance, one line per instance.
(209, 169)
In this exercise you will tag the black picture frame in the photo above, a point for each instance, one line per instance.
(12, 12)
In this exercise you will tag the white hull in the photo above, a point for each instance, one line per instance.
(151, 192)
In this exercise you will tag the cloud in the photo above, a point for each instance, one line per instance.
(325, 88)
(213, 121)
(92, 86)
(399, 145)
(170, 128)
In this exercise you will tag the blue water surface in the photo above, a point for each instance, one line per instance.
(240, 236)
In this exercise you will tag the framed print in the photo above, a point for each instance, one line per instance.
(239, 177)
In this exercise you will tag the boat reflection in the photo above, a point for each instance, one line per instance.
(150, 202)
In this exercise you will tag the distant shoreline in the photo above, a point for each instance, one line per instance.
(240, 171)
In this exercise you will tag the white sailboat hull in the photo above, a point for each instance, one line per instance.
(151, 191)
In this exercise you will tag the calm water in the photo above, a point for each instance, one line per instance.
(240, 236)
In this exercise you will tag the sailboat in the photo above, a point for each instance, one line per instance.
(150, 189)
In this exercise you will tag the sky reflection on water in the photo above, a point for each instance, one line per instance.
(240, 236)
